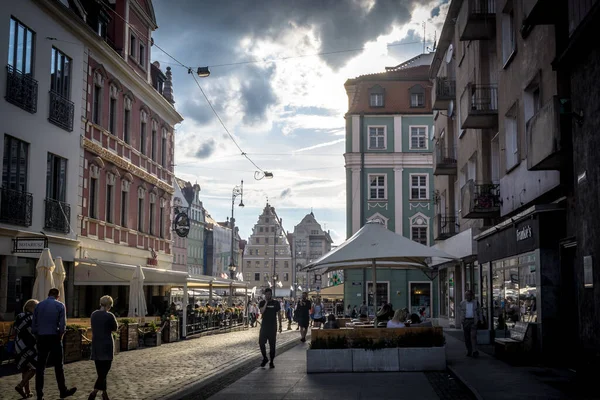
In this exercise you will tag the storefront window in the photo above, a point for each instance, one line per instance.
(485, 285)
(443, 292)
(382, 294)
(514, 290)
(451, 292)
(420, 299)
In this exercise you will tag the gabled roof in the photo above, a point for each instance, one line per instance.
(415, 68)
(148, 9)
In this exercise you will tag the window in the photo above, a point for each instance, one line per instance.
(419, 229)
(257, 240)
(286, 264)
(142, 55)
(376, 96)
(261, 229)
(377, 139)
(418, 187)
(153, 145)
(418, 137)
(276, 240)
(267, 220)
(132, 46)
(21, 47)
(531, 101)
(126, 125)
(93, 197)
(101, 29)
(56, 177)
(97, 104)
(266, 240)
(286, 277)
(272, 229)
(112, 117)
(161, 221)
(60, 74)
(141, 214)
(417, 100)
(151, 218)
(124, 207)
(508, 37)
(163, 147)
(257, 276)
(143, 138)
(109, 203)
(377, 187)
(257, 263)
(511, 138)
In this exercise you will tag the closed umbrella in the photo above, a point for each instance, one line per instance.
(43, 279)
(137, 300)
(59, 274)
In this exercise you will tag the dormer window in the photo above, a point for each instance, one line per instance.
(132, 46)
(376, 96)
(101, 31)
(417, 96)
(142, 55)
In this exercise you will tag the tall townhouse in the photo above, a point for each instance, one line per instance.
(309, 242)
(389, 174)
(40, 110)
(506, 195)
(126, 167)
(180, 216)
(576, 141)
(195, 242)
(267, 258)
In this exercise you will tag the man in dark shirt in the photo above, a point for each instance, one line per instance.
(303, 310)
(270, 311)
(49, 324)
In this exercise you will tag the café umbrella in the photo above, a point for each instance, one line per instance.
(375, 246)
(59, 274)
(137, 300)
(43, 279)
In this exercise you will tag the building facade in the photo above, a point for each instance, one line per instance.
(127, 159)
(389, 174)
(309, 242)
(195, 240)
(41, 113)
(180, 244)
(268, 257)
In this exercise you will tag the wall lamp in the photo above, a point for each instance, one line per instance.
(202, 72)
(259, 175)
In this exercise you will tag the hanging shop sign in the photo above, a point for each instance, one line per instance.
(29, 244)
(181, 225)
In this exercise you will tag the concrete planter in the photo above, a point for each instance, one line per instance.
(382, 360)
(334, 360)
(422, 358)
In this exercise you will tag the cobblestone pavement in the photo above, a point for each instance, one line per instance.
(153, 373)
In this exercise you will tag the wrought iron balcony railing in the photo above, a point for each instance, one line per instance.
(15, 207)
(445, 88)
(480, 200)
(484, 98)
(61, 111)
(21, 89)
(447, 226)
(57, 217)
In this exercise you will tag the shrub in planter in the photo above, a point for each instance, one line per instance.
(128, 332)
(72, 343)
(152, 335)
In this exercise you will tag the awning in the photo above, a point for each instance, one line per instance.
(331, 291)
(203, 281)
(100, 273)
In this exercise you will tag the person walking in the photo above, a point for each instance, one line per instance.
(470, 313)
(303, 315)
(49, 324)
(25, 347)
(318, 313)
(271, 311)
(103, 324)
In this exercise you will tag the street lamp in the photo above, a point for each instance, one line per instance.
(237, 191)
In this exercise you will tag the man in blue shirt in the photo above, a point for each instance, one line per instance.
(49, 323)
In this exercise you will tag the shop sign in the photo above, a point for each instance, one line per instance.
(29, 244)
(524, 233)
(181, 225)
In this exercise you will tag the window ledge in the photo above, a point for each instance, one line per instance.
(377, 200)
(512, 168)
(420, 200)
(510, 58)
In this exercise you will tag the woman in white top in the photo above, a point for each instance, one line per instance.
(318, 315)
(398, 320)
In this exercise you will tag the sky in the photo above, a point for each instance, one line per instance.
(278, 69)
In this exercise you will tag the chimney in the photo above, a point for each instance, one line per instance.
(168, 87)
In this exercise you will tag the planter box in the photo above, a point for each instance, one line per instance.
(422, 358)
(129, 337)
(72, 346)
(152, 339)
(334, 360)
(483, 336)
(117, 345)
(170, 332)
(383, 360)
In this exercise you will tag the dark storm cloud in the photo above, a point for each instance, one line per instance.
(285, 194)
(206, 149)
(435, 12)
(210, 32)
(257, 94)
(406, 45)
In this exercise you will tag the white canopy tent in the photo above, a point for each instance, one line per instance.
(375, 246)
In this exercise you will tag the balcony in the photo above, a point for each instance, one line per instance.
(57, 216)
(479, 106)
(477, 20)
(444, 91)
(15, 207)
(21, 89)
(480, 200)
(444, 160)
(447, 226)
(543, 138)
(61, 111)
